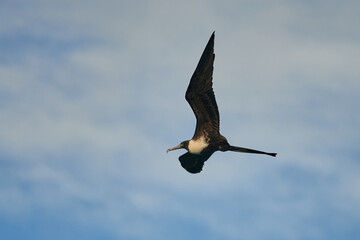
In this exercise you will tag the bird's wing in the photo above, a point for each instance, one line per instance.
(200, 94)
(193, 163)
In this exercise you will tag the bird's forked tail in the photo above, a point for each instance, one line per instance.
(248, 150)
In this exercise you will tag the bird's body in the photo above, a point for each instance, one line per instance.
(207, 138)
(197, 146)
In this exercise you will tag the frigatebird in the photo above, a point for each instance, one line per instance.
(207, 138)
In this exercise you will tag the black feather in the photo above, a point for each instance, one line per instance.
(193, 163)
(200, 94)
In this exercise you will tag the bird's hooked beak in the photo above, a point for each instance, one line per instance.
(174, 148)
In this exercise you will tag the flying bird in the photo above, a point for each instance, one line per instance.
(207, 138)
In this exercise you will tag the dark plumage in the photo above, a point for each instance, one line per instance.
(207, 138)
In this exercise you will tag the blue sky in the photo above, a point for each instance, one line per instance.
(92, 95)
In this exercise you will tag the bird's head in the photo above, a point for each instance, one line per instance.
(183, 144)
